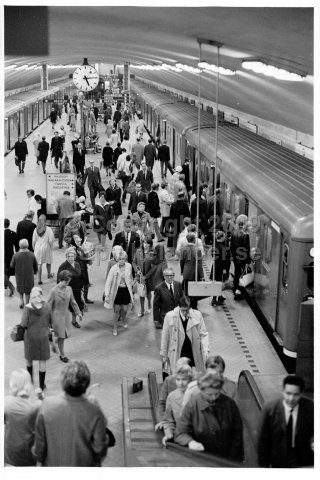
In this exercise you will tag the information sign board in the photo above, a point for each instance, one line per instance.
(57, 183)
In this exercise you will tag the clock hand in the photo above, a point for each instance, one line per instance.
(91, 77)
(85, 78)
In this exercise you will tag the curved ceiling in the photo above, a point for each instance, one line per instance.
(280, 36)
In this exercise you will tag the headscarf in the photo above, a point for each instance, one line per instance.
(41, 227)
(117, 249)
(36, 298)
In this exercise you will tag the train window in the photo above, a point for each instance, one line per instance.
(285, 259)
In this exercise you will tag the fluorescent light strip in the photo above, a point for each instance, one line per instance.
(187, 68)
(213, 68)
(270, 71)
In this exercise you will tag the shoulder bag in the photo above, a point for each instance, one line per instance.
(246, 276)
(17, 333)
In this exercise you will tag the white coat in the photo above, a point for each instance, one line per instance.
(166, 200)
(113, 282)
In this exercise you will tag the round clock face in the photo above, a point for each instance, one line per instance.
(86, 78)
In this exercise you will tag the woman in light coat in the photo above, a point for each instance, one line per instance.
(166, 200)
(42, 242)
(184, 334)
(118, 291)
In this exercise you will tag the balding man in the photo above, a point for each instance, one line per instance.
(166, 297)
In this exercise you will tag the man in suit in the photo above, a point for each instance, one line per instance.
(145, 177)
(20, 151)
(164, 157)
(56, 148)
(11, 245)
(135, 198)
(166, 297)
(43, 148)
(285, 435)
(94, 180)
(128, 239)
(65, 209)
(25, 228)
(150, 153)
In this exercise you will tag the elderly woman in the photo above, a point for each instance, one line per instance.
(60, 300)
(20, 413)
(76, 282)
(184, 334)
(42, 242)
(25, 266)
(71, 427)
(75, 227)
(211, 421)
(183, 377)
(118, 291)
(36, 320)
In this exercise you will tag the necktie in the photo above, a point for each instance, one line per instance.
(127, 238)
(289, 430)
(171, 290)
(92, 169)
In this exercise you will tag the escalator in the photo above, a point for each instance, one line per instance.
(143, 447)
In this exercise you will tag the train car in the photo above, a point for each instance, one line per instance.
(273, 186)
(26, 110)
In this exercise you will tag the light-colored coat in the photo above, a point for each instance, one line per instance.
(113, 282)
(166, 200)
(173, 337)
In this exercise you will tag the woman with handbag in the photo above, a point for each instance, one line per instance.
(60, 300)
(76, 281)
(141, 255)
(36, 320)
(118, 291)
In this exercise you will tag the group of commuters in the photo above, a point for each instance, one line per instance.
(199, 409)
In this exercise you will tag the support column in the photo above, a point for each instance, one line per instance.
(126, 83)
(44, 77)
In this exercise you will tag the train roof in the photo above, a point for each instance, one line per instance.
(279, 180)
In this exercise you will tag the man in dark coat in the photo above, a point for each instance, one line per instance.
(145, 177)
(166, 297)
(21, 151)
(43, 148)
(79, 158)
(128, 240)
(154, 209)
(26, 227)
(92, 173)
(11, 245)
(150, 153)
(56, 148)
(179, 210)
(203, 222)
(116, 118)
(186, 173)
(240, 251)
(164, 157)
(285, 435)
(135, 198)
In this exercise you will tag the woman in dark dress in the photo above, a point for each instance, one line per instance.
(113, 196)
(76, 282)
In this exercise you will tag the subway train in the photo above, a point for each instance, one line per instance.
(25, 110)
(269, 183)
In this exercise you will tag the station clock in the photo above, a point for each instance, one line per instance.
(86, 78)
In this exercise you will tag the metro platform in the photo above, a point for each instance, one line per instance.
(234, 332)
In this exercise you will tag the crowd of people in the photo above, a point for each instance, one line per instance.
(166, 221)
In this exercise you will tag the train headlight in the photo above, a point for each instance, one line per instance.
(311, 252)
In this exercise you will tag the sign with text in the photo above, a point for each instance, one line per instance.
(57, 183)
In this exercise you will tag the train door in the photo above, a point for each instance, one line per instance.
(283, 283)
(21, 123)
(266, 276)
(26, 119)
(239, 203)
(173, 147)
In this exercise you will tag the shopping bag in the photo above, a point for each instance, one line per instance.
(141, 290)
(17, 333)
(246, 276)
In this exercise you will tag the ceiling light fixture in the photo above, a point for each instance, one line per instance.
(213, 68)
(187, 68)
(258, 66)
(10, 67)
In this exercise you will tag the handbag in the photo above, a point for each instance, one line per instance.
(121, 174)
(17, 161)
(112, 440)
(246, 276)
(17, 333)
(141, 289)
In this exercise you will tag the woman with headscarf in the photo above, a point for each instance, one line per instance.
(42, 242)
(36, 320)
(60, 300)
(20, 413)
(76, 281)
(118, 291)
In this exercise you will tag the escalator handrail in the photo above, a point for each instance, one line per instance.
(204, 458)
(130, 460)
(253, 387)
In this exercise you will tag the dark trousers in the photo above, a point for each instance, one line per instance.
(56, 157)
(238, 269)
(93, 193)
(163, 227)
(63, 223)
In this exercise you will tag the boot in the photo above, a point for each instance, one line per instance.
(42, 376)
(30, 370)
(22, 167)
